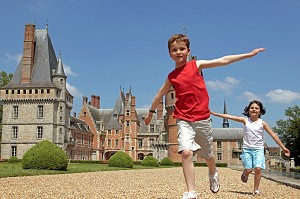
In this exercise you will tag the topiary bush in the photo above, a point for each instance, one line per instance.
(45, 155)
(166, 162)
(13, 159)
(120, 159)
(150, 161)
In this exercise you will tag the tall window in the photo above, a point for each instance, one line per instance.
(140, 143)
(240, 145)
(39, 132)
(82, 138)
(219, 144)
(151, 128)
(13, 150)
(219, 156)
(127, 138)
(109, 143)
(14, 132)
(117, 143)
(15, 111)
(40, 111)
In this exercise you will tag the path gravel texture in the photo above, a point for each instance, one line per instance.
(130, 184)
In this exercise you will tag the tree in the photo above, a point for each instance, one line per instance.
(289, 131)
(4, 79)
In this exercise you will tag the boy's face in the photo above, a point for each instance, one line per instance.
(179, 52)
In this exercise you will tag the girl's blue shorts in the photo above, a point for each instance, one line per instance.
(253, 158)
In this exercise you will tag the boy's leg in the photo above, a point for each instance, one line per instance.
(186, 146)
(211, 164)
(188, 169)
(204, 138)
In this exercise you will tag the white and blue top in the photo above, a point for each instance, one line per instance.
(253, 135)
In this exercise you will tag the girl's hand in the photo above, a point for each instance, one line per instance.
(286, 152)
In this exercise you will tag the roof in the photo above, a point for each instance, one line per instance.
(79, 125)
(45, 63)
(228, 133)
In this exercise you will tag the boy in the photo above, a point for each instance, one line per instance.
(192, 108)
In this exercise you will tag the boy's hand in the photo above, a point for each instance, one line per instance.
(257, 50)
(148, 118)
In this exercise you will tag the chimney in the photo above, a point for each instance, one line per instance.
(84, 100)
(28, 53)
(160, 109)
(95, 101)
(132, 104)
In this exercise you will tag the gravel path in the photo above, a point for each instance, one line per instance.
(147, 183)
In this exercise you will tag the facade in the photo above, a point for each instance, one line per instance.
(37, 106)
(122, 129)
(36, 102)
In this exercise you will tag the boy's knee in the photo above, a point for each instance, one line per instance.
(185, 153)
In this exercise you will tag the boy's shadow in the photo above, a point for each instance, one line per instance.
(241, 192)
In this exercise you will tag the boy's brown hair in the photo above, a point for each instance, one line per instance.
(179, 38)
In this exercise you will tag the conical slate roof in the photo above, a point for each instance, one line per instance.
(45, 63)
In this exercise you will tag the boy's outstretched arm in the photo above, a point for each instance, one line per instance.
(227, 59)
(162, 91)
(276, 138)
(231, 117)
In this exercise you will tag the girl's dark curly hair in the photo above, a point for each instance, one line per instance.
(262, 109)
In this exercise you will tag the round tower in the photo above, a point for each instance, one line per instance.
(171, 127)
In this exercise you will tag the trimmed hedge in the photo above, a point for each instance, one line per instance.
(150, 161)
(166, 162)
(13, 159)
(120, 159)
(45, 155)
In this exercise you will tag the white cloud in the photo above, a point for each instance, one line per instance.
(69, 71)
(250, 96)
(15, 58)
(74, 91)
(226, 86)
(282, 96)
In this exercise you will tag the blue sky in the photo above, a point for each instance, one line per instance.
(113, 43)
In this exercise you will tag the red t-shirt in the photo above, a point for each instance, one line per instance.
(192, 100)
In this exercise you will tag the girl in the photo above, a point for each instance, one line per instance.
(253, 141)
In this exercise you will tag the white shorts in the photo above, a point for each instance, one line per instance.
(195, 136)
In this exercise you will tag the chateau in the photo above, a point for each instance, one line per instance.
(37, 106)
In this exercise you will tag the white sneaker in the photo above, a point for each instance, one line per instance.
(214, 182)
(190, 195)
(256, 193)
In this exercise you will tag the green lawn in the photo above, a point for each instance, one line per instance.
(15, 169)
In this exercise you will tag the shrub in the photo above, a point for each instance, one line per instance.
(166, 162)
(45, 155)
(120, 159)
(150, 161)
(13, 159)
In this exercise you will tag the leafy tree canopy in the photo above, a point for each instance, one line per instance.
(5, 78)
(289, 131)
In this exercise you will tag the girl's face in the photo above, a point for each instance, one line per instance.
(179, 52)
(254, 110)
